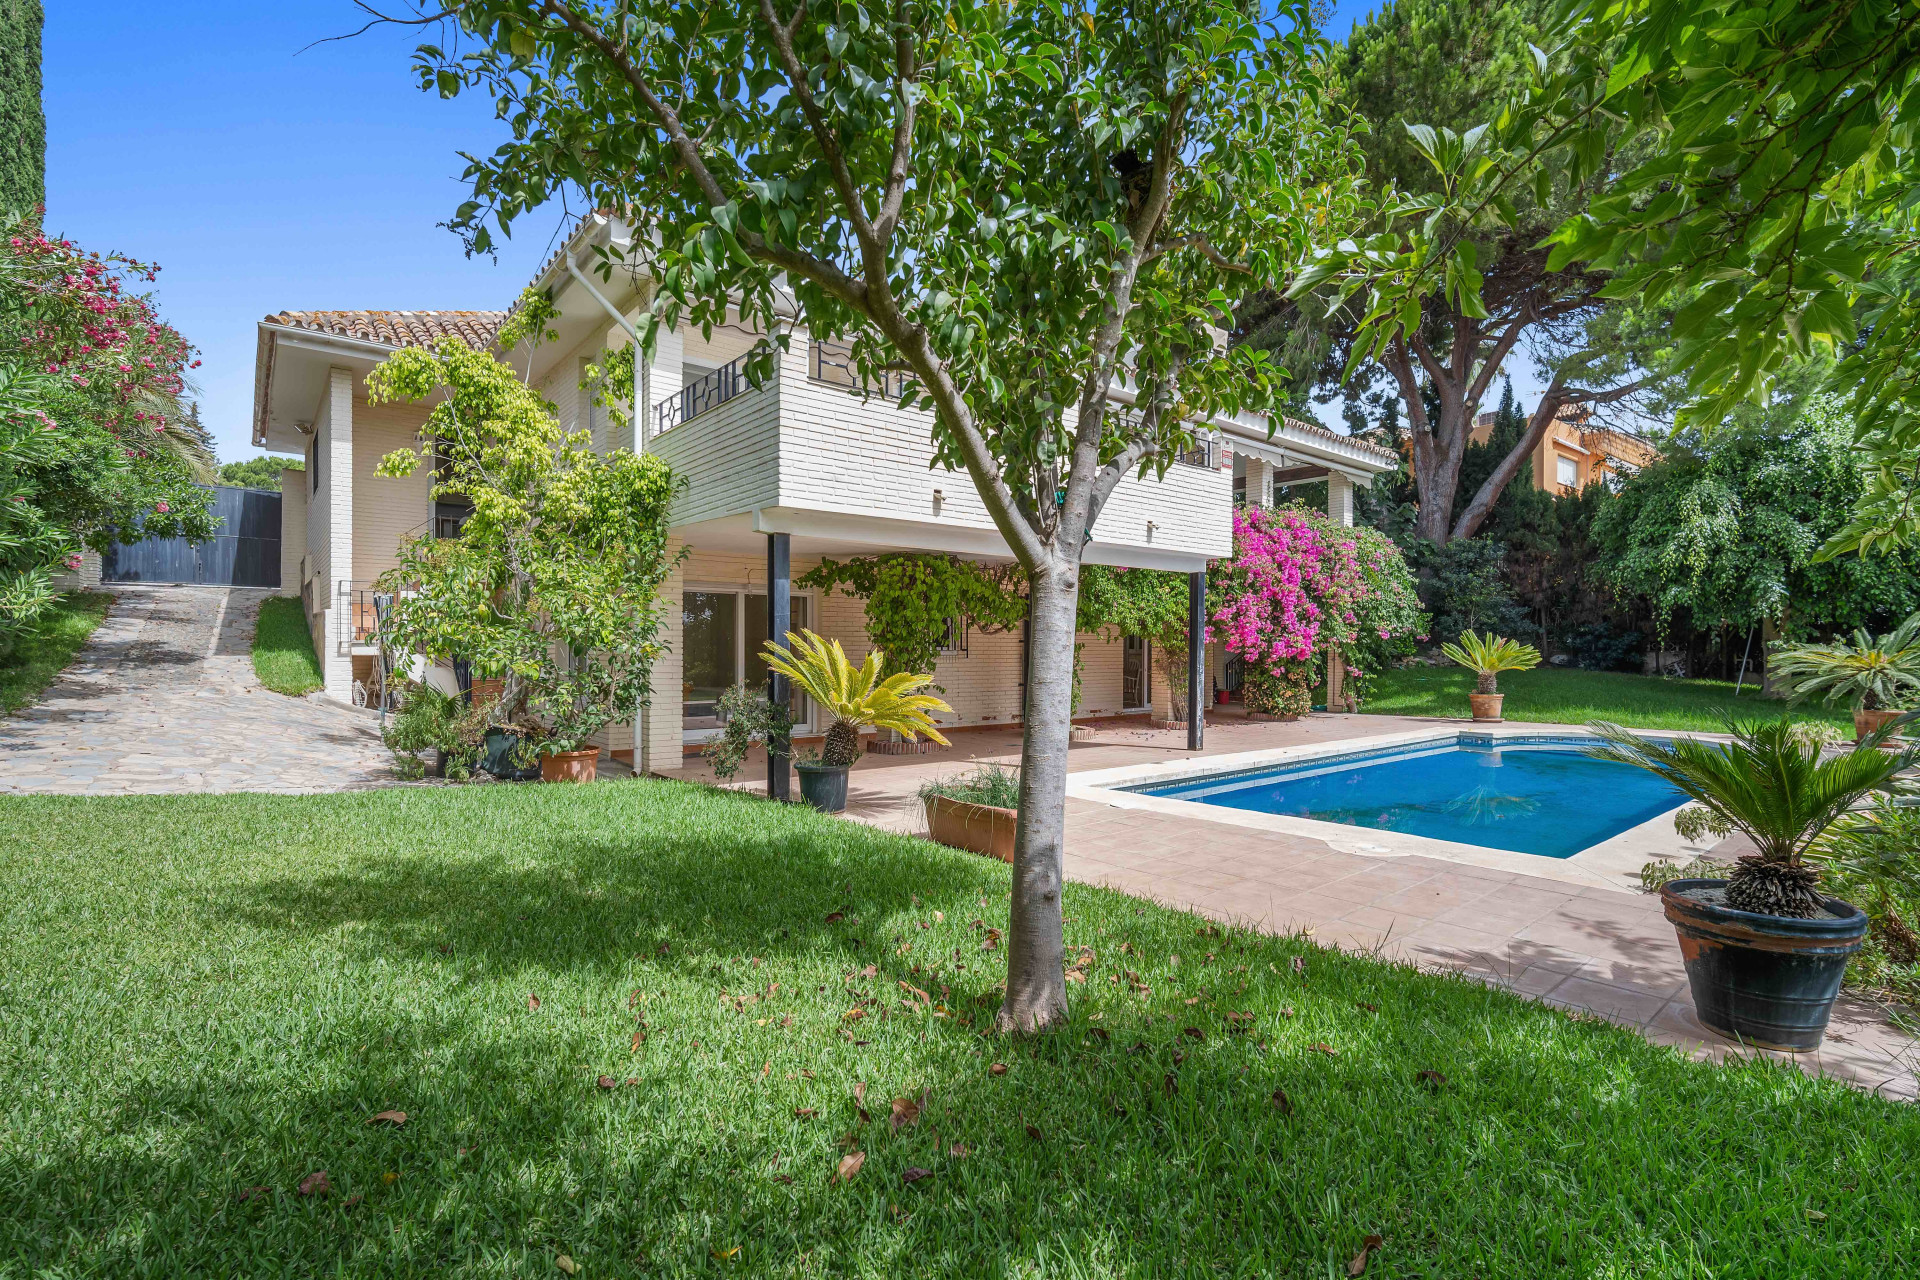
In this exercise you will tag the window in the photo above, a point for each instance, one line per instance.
(720, 647)
(954, 642)
(1567, 471)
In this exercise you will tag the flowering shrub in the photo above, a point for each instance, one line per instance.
(95, 444)
(1300, 586)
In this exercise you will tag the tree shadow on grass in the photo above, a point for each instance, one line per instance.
(753, 879)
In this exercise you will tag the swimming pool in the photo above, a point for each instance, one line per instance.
(1543, 797)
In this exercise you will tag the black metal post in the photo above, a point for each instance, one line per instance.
(779, 622)
(1196, 660)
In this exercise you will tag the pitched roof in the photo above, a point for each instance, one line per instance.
(1352, 442)
(399, 328)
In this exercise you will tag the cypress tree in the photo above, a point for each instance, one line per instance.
(23, 124)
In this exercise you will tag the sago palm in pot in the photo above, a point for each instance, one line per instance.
(1783, 793)
(1874, 673)
(855, 697)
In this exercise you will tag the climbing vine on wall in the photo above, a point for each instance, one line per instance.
(911, 598)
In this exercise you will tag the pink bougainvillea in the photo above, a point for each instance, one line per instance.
(1300, 585)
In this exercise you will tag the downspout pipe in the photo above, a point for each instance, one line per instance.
(642, 432)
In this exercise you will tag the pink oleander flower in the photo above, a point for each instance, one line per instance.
(162, 508)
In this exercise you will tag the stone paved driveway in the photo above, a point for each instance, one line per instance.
(163, 700)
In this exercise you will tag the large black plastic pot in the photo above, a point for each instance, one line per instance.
(824, 786)
(1764, 980)
(499, 758)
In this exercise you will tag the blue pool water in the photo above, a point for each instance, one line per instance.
(1543, 798)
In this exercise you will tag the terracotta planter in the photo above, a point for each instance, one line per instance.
(1865, 722)
(570, 766)
(1486, 706)
(979, 828)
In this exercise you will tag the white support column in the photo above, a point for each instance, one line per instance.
(1259, 474)
(659, 733)
(1340, 507)
(337, 662)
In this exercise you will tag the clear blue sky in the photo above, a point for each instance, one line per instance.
(264, 178)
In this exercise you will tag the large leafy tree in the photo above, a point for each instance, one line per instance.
(1725, 529)
(1024, 208)
(1483, 142)
(23, 123)
(1778, 210)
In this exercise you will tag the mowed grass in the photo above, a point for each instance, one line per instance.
(283, 648)
(39, 657)
(207, 998)
(1557, 696)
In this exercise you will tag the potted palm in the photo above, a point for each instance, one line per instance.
(856, 698)
(1487, 656)
(1877, 673)
(1765, 949)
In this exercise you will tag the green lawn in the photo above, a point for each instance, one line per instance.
(283, 648)
(205, 996)
(1558, 696)
(36, 660)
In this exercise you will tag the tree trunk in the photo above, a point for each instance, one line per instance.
(1036, 986)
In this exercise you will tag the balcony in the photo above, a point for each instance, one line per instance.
(694, 399)
(832, 363)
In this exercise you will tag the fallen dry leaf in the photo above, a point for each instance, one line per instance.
(566, 1264)
(959, 1151)
(533, 1002)
(1170, 1084)
(388, 1178)
(1101, 1032)
(1327, 1049)
(250, 1193)
(1194, 1033)
(853, 1015)
(850, 1165)
(1282, 1103)
(1287, 1012)
(783, 1178)
(1367, 1246)
(905, 1112)
(1370, 1008)
(639, 1038)
(1431, 1078)
(1300, 964)
(913, 1173)
(1033, 1132)
(834, 917)
(939, 917)
(724, 1255)
(352, 1200)
(390, 1117)
(805, 1113)
(870, 971)
(316, 1184)
(860, 1091)
(997, 1069)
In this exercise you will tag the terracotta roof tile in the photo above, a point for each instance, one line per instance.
(1352, 442)
(399, 328)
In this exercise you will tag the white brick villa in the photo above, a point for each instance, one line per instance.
(777, 477)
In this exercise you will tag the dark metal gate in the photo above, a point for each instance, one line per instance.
(244, 552)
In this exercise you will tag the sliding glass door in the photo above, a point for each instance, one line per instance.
(720, 647)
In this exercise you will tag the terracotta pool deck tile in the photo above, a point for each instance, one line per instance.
(1636, 1008)
(1441, 894)
(1365, 887)
(1460, 948)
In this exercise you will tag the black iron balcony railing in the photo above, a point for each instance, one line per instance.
(694, 399)
(1201, 455)
(832, 363)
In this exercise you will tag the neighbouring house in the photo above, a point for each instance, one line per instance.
(778, 476)
(1576, 451)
